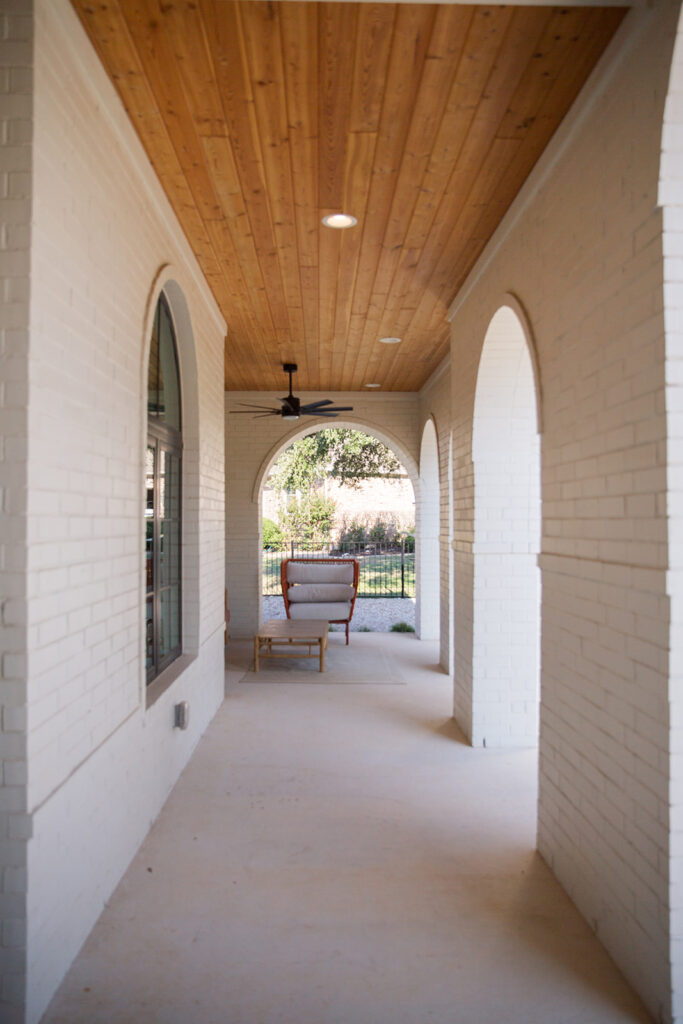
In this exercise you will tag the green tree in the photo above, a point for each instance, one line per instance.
(347, 455)
(309, 518)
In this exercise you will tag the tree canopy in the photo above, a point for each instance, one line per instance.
(347, 455)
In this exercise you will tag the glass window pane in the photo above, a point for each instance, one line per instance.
(169, 552)
(169, 486)
(149, 632)
(149, 555)
(153, 370)
(149, 481)
(172, 508)
(163, 380)
(169, 389)
(149, 517)
(170, 621)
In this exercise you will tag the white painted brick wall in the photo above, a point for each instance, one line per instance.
(252, 446)
(671, 198)
(16, 133)
(101, 762)
(581, 250)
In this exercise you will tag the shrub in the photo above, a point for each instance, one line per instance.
(354, 533)
(273, 538)
(402, 627)
(379, 532)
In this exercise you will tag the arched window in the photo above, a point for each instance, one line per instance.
(162, 508)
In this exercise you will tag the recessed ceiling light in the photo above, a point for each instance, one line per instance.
(372, 385)
(390, 341)
(339, 220)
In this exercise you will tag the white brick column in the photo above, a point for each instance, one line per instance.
(16, 165)
(671, 200)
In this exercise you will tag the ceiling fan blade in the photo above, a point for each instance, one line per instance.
(317, 405)
(340, 408)
(264, 408)
(324, 413)
(254, 412)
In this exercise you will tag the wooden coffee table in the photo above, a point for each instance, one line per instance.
(281, 638)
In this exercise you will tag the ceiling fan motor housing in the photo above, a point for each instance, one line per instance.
(291, 407)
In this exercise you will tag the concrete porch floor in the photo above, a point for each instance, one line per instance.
(336, 854)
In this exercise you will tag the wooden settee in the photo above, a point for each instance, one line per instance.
(320, 588)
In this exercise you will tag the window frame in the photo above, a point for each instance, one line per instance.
(162, 439)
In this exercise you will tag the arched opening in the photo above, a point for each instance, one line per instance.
(387, 561)
(428, 611)
(506, 456)
(448, 573)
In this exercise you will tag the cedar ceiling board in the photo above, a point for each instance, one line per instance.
(358, 172)
(562, 39)
(112, 41)
(225, 34)
(220, 160)
(411, 37)
(373, 45)
(257, 116)
(557, 101)
(148, 32)
(439, 71)
(299, 31)
(413, 33)
(264, 53)
(438, 271)
(457, 152)
(186, 35)
(374, 32)
(336, 66)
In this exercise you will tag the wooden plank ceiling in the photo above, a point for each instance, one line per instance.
(422, 121)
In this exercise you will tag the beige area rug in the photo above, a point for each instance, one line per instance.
(346, 666)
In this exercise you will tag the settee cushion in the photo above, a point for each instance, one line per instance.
(319, 572)
(320, 592)
(320, 610)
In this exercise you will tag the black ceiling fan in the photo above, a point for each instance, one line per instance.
(291, 408)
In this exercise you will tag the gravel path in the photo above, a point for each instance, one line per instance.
(376, 614)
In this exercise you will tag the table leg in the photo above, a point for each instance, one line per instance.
(256, 647)
(322, 653)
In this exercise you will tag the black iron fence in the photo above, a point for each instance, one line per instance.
(386, 570)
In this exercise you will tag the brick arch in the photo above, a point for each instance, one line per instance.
(427, 611)
(506, 458)
(313, 427)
